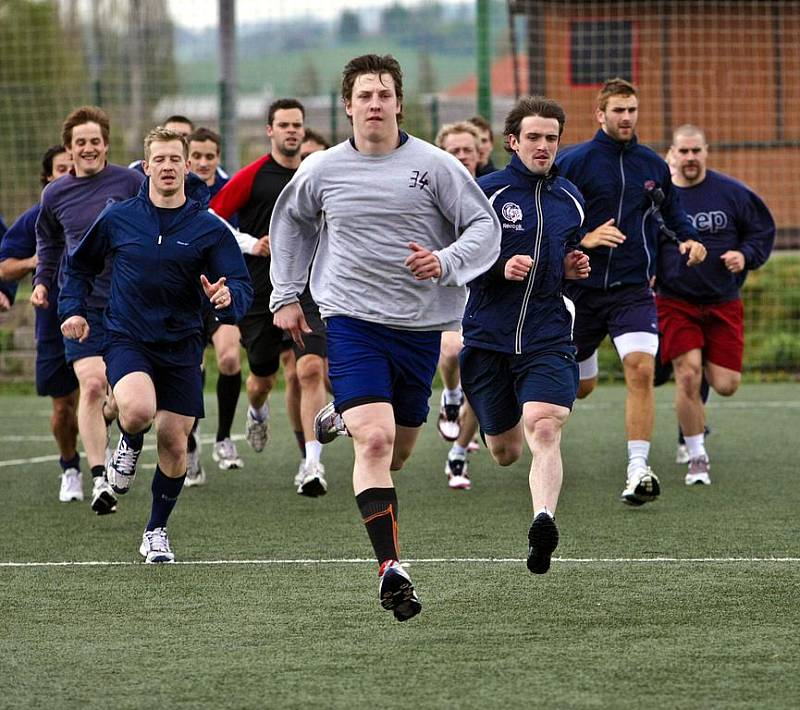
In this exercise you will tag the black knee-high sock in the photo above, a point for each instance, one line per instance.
(301, 442)
(165, 495)
(228, 389)
(378, 508)
(705, 390)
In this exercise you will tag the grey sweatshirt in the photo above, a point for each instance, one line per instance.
(359, 212)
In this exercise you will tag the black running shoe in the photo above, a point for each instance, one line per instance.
(542, 540)
(397, 591)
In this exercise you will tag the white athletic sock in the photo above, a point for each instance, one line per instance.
(453, 396)
(544, 510)
(313, 451)
(696, 445)
(638, 451)
(457, 452)
(261, 414)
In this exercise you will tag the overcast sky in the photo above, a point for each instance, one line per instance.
(197, 14)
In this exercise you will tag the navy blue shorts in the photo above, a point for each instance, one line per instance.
(54, 377)
(498, 384)
(174, 369)
(621, 310)
(94, 345)
(368, 362)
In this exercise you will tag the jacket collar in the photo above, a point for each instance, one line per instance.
(607, 141)
(519, 167)
(191, 205)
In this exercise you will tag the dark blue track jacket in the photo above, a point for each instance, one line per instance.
(156, 295)
(541, 217)
(624, 181)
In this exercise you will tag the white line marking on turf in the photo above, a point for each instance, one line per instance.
(55, 457)
(428, 560)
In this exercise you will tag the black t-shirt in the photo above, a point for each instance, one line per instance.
(254, 219)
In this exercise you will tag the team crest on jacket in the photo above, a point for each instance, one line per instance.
(512, 212)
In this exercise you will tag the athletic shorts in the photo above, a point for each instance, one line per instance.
(54, 377)
(316, 342)
(369, 362)
(211, 325)
(174, 369)
(94, 345)
(262, 341)
(717, 330)
(497, 385)
(619, 311)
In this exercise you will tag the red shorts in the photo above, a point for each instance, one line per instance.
(717, 330)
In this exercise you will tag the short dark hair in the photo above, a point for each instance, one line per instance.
(373, 64)
(312, 135)
(614, 87)
(279, 104)
(47, 162)
(177, 118)
(205, 134)
(85, 114)
(482, 124)
(532, 106)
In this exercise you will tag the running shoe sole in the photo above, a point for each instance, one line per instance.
(542, 541)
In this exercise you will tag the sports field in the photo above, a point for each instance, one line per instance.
(693, 601)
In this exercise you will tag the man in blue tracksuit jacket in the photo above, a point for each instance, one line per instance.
(168, 255)
(518, 368)
(630, 205)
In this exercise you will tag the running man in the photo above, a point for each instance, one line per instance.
(168, 254)
(518, 364)
(398, 227)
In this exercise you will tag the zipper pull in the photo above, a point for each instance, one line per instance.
(159, 239)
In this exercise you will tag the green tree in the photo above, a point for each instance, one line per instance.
(306, 80)
(427, 73)
(42, 76)
(349, 27)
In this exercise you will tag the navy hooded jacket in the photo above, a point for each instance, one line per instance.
(729, 217)
(156, 295)
(623, 180)
(540, 216)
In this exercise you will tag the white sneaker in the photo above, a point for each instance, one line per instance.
(313, 483)
(698, 472)
(682, 454)
(155, 547)
(473, 446)
(103, 499)
(195, 475)
(226, 455)
(641, 487)
(448, 424)
(301, 474)
(456, 469)
(122, 468)
(256, 432)
(71, 486)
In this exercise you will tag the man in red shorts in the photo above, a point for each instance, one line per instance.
(700, 311)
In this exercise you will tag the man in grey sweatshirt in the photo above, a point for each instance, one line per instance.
(398, 227)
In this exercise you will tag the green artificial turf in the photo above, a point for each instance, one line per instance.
(613, 624)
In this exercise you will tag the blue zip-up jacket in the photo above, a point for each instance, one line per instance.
(615, 179)
(542, 217)
(156, 295)
(20, 243)
(728, 216)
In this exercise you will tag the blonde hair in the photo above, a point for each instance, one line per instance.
(458, 127)
(164, 135)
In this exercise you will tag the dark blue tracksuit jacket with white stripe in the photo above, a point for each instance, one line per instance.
(540, 216)
(617, 180)
(156, 295)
